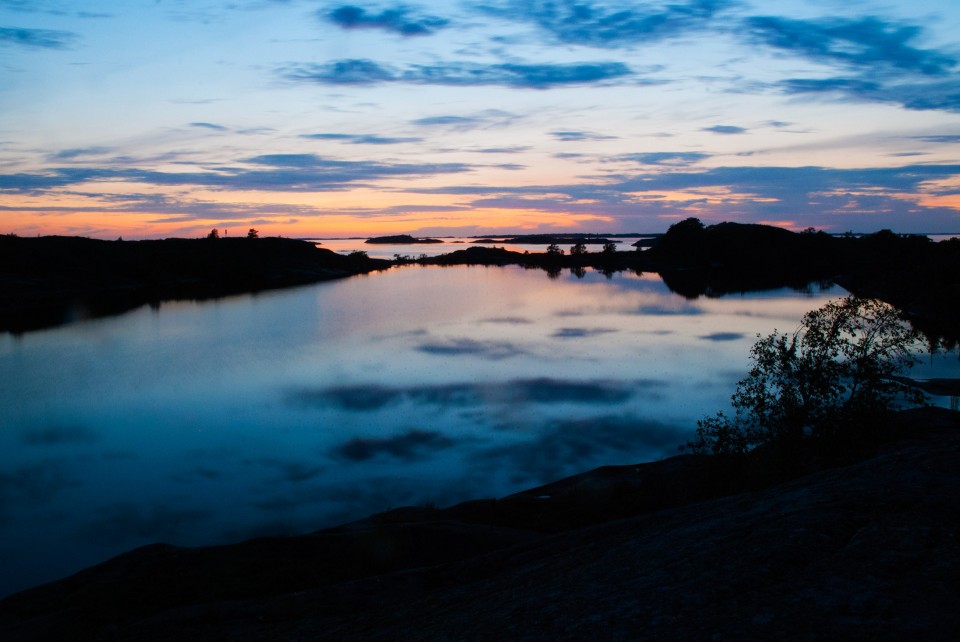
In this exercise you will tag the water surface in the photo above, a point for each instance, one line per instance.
(209, 422)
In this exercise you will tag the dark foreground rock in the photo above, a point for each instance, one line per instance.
(866, 551)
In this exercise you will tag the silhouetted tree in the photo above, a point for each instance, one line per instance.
(214, 234)
(253, 234)
(578, 249)
(554, 250)
(609, 248)
(836, 373)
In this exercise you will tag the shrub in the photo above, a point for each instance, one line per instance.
(832, 377)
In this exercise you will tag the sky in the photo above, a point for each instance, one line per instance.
(162, 118)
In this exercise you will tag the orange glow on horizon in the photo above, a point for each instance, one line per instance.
(133, 225)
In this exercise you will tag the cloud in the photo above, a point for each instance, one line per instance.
(574, 136)
(725, 129)
(363, 139)
(922, 96)
(946, 139)
(520, 76)
(41, 38)
(414, 444)
(501, 150)
(213, 126)
(77, 152)
(672, 159)
(446, 121)
(486, 119)
(284, 173)
(398, 20)
(869, 43)
(580, 333)
(592, 24)
(878, 57)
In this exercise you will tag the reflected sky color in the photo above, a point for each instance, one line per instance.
(287, 411)
(153, 118)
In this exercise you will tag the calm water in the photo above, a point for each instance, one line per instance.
(200, 423)
(450, 244)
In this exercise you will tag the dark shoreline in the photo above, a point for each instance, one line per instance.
(47, 281)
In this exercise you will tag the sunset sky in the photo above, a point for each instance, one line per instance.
(155, 118)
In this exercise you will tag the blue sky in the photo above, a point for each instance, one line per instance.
(152, 118)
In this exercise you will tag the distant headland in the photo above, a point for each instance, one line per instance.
(400, 239)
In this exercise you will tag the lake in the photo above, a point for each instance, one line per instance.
(288, 411)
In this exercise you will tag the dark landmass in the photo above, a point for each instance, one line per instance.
(400, 239)
(689, 548)
(552, 239)
(913, 273)
(50, 280)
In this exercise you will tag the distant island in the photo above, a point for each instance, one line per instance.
(400, 239)
(550, 239)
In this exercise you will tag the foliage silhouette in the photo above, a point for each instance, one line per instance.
(831, 381)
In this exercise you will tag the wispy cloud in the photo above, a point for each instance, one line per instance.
(399, 20)
(946, 139)
(464, 74)
(878, 59)
(663, 158)
(79, 152)
(595, 24)
(486, 119)
(213, 126)
(922, 96)
(576, 136)
(39, 38)
(869, 43)
(287, 172)
(725, 129)
(364, 139)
